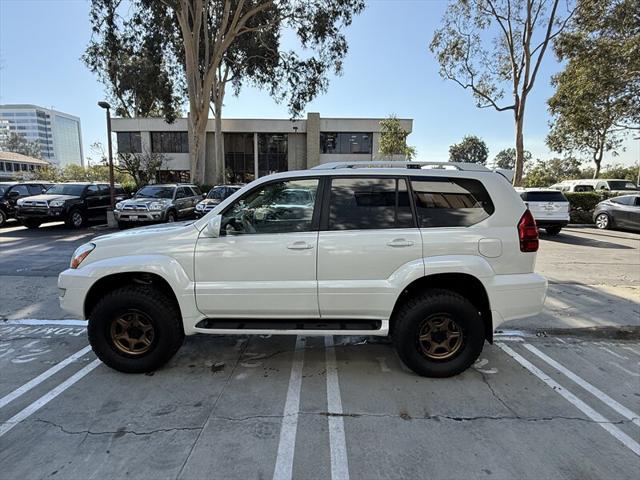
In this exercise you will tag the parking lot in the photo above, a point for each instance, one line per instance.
(556, 396)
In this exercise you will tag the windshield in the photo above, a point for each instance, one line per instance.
(155, 192)
(216, 193)
(622, 185)
(66, 189)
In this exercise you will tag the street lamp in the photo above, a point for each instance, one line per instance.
(106, 106)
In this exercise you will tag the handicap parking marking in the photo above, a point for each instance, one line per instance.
(13, 332)
(594, 415)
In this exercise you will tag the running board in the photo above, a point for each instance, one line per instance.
(289, 325)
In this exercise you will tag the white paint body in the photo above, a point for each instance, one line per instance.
(353, 274)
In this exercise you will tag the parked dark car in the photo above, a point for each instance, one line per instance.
(158, 203)
(74, 203)
(11, 192)
(618, 212)
(215, 197)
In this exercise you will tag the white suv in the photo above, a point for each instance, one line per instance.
(437, 258)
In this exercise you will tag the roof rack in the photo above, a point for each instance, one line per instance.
(469, 167)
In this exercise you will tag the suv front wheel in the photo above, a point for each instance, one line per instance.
(135, 329)
(438, 333)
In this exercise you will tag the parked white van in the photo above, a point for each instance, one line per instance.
(597, 184)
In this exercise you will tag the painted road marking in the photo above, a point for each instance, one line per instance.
(628, 442)
(628, 372)
(596, 392)
(47, 397)
(631, 349)
(287, 443)
(337, 441)
(33, 322)
(621, 357)
(43, 376)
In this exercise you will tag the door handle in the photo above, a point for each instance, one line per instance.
(400, 242)
(299, 246)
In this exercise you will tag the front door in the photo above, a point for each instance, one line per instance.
(263, 265)
(369, 239)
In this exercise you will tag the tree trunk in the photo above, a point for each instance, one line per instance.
(197, 132)
(519, 167)
(219, 173)
(597, 159)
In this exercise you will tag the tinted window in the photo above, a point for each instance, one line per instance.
(183, 192)
(66, 189)
(450, 202)
(626, 200)
(543, 197)
(92, 190)
(280, 207)
(22, 190)
(169, 142)
(105, 190)
(582, 188)
(129, 142)
(622, 185)
(196, 191)
(345, 142)
(155, 192)
(367, 203)
(34, 189)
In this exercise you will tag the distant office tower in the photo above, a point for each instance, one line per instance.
(58, 134)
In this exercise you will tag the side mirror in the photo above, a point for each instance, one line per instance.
(212, 230)
(14, 194)
(204, 195)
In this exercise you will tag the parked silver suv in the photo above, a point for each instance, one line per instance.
(158, 203)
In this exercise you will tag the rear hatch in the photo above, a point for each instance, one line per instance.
(547, 204)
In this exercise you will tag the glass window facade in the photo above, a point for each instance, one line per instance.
(345, 142)
(129, 142)
(238, 158)
(169, 142)
(272, 153)
(67, 138)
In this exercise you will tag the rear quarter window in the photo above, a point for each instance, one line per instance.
(450, 202)
(544, 197)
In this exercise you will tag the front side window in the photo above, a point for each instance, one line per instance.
(450, 202)
(34, 189)
(279, 207)
(369, 203)
(626, 200)
(21, 189)
(622, 185)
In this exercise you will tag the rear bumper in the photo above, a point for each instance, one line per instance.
(516, 296)
(552, 223)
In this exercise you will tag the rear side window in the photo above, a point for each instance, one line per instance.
(369, 203)
(450, 202)
(196, 191)
(543, 197)
(626, 200)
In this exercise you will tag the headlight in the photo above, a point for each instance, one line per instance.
(81, 253)
(156, 206)
(20, 202)
(119, 205)
(200, 206)
(56, 203)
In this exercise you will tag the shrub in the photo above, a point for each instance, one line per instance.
(582, 204)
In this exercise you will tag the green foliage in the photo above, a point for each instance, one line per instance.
(582, 204)
(471, 149)
(597, 95)
(546, 173)
(16, 143)
(620, 172)
(507, 158)
(393, 139)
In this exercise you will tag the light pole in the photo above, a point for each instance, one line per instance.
(110, 218)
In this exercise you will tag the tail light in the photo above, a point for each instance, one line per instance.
(528, 233)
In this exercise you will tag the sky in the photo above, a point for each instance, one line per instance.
(389, 69)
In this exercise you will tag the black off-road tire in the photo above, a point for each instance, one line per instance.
(76, 219)
(3, 218)
(171, 216)
(32, 224)
(163, 314)
(409, 318)
(123, 225)
(552, 230)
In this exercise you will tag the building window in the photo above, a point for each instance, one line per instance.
(23, 167)
(272, 153)
(238, 158)
(1, 166)
(169, 142)
(129, 142)
(345, 142)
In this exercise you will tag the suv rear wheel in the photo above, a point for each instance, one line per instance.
(3, 218)
(438, 334)
(30, 223)
(135, 329)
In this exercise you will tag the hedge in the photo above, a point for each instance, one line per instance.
(582, 204)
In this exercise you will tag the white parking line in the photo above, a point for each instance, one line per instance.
(287, 444)
(47, 397)
(596, 392)
(628, 442)
(621, 357)
(32, 321)
(337, 441)
(43, 376)
(625, 370)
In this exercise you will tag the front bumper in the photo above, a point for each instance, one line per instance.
(142, 216)
(516, 296)
(43, 214)
(73, 286)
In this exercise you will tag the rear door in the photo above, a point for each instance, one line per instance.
(368, 235)
(92, 201)
(547, 205)
(183, 201)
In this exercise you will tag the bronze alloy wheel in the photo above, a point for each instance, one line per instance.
(439, 337)
(132, 332)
